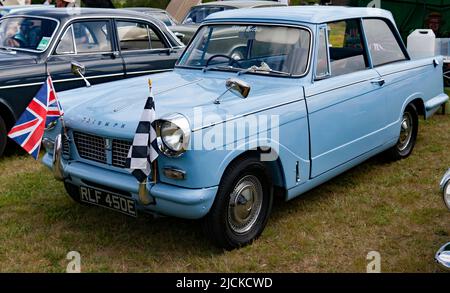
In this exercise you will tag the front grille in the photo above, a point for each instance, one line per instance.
(90, 147)
(120, 150)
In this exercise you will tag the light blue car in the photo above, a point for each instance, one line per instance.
(263, 102)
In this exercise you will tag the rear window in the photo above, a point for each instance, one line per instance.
(383, 45)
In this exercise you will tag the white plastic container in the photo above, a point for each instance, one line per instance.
(422, 43)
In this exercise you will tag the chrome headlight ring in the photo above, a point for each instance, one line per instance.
(173, 134)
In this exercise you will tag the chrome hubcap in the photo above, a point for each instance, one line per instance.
(405, 132)
(245, 204)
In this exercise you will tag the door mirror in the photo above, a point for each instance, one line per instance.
(443, 256)
(80, 70)
(238, 87)
(180, 36)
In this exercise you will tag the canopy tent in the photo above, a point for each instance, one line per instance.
(413, 14)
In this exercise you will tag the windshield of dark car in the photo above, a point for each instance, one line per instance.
(250, 48)
(26, 33)
(198, 14)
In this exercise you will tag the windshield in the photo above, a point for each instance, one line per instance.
(198, 14)
(250, 48)
(26, 33)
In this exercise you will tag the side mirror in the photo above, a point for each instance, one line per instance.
(180, 36)
(443, 256)
(238, 87)
(80, 70)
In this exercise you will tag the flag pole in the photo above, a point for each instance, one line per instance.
(154, 163)
(61, 118)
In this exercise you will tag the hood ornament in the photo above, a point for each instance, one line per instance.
(236, 86)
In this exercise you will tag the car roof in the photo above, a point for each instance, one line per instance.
(144, 9)
(308, 14)
(64, 14)
(241, 4)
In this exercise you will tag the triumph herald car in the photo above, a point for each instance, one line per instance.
(263, 102)
(104, 44)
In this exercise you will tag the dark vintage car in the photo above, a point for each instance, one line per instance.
(157, 13)
(104, 44)
(198, 13)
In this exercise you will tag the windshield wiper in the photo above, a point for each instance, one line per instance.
(264, 68)
(225, 68)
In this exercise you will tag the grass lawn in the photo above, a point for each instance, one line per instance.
(393, 208)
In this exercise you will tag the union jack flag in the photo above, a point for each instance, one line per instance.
(42, 110)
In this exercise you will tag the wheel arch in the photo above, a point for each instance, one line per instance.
(7, 114)
(274, 167)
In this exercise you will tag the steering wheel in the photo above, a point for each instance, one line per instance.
(231, 60)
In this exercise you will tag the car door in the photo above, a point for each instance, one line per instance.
(144, 48)
(388, 55)
(90, 43)
(346, 113)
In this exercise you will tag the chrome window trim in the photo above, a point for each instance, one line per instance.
(52, 38)
(299, 26)
(100, 17)
(74, 47)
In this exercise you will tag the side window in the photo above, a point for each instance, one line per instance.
(66, 44)
(133, 36)
(383, 46)
(92, 36)
(322, 68)
(347, 52)
(156, 41)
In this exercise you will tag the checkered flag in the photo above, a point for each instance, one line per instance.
(143, 151)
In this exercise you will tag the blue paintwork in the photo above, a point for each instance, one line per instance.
(326, 126)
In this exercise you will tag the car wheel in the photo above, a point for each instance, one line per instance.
(242, 205)
(3, 136)
(408, 134)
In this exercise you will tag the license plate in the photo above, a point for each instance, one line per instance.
(108, 200)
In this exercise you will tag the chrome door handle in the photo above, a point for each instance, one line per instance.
(379, 82)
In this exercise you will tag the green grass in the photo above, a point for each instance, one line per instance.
(394, 208)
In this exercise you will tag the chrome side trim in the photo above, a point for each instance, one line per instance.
(88, 77)
(149, 71)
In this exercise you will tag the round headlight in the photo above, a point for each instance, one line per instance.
(174, 134)
(447, 194)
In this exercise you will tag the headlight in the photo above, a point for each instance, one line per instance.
(173, 133)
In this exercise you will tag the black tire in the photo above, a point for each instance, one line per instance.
(405, 146)
(218, 223)
(73, 192)
(3, 136)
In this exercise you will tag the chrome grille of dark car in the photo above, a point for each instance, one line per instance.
(120, 150)
(90, 147)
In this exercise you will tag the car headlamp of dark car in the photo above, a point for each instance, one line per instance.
(173, 133)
